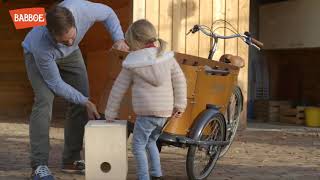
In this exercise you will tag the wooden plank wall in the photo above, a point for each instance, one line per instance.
(16, 96)
(174, 18)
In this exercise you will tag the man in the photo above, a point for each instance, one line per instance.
(55, 67)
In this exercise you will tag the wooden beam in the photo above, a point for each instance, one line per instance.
(219, 13)
(139, 9)
(179, 26)
(205, 19)
(232, 13)
(192, 40)
(165, 31)
(152, 13)
(244, 6)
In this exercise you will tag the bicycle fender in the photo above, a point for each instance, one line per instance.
(201, 121)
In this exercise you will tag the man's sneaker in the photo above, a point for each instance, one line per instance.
(75, 167)
(42, 173)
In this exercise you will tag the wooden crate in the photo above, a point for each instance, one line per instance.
(268, 111)
(292, 115)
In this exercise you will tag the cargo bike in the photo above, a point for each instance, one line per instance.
(215, 102)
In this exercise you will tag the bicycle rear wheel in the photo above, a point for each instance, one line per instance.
(233, 117)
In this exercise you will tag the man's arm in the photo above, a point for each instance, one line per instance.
(51, 75)
(98, 12)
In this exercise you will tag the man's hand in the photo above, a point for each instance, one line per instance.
(121, 45)
(92, 111)
(176, 113)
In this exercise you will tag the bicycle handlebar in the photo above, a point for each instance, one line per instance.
(246, 37)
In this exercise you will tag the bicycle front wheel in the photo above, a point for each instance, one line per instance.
(201, 159)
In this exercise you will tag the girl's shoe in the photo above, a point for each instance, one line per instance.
(77, 167)
(156, 178)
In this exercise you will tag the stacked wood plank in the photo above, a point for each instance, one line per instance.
(278, 111)
(265, 110)
(292, 115)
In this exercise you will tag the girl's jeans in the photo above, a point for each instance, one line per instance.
(147, 130)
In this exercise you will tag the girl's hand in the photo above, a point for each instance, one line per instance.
(176, 113)
(109, 120)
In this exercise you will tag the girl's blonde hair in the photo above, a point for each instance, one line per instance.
(141, 33)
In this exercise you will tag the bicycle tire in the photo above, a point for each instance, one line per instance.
(238, 95)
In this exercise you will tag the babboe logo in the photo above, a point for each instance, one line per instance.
(28, 17)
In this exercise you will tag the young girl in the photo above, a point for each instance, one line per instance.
(158, 92)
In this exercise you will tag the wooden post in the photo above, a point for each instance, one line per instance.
(219, 13)
(165, 22)
(192, 41)
(205, 19)
(139, 9)
(152, 12)
(179, 26)
(232, 16)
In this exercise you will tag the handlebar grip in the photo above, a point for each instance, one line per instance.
(256, 42)
(195, 29)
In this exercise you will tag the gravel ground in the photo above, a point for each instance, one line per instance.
(259, 152)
